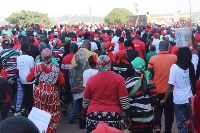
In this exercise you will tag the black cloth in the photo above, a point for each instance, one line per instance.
(184, 62)
(27, 102)
(168, 112)
(3, 87)
(132, 54)
(123, 69)
(34, 51)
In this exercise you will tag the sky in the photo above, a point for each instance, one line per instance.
(59, 8)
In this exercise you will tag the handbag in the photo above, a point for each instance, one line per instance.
(37, 78)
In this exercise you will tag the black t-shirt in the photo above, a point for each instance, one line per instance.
(132, 54)
(123, 69)
(34, 51)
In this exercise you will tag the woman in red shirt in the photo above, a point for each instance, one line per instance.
(45, 93)
(104, 96)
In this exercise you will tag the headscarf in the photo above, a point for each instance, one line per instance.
(184, 62)
(121, 43)
(104, 64)
(139, 65)
(66, 39)
(119, 57)
(46, 56)
(56, 42)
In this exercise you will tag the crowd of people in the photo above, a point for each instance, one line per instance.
(122, 76)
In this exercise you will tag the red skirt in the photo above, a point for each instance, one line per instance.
(46, 98)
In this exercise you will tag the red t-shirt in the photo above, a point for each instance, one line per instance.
(104, 90)
(111, 56)
(139, 46)
(66, 62)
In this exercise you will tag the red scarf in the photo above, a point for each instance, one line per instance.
(119, 57)
(129, 48)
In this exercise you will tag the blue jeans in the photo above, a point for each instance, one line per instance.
(75, 111)
(182, 113)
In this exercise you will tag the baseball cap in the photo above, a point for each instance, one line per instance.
(108, 45)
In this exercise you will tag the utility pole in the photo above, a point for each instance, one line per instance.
(90, 15)
(190, 11)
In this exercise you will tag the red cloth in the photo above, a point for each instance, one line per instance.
(174, 50)
(104, 90)
(156, 35)
(139, 46)
(96, 35)
(129, 48)
(91, 34)
(66, 62)
(121, 45)
(119, 57)
(163, 33)
(36, 43)
(59, 31)
(111, 56)
(197, 37)
(4, 75)
(104, 128)
(31, 75)
(51, 37)
(197, 107)
(105, 37)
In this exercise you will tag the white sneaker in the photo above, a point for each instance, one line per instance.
(17, 114)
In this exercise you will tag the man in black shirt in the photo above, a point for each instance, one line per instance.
(34, 50)
(131, 52)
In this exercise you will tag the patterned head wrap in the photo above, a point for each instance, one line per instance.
(56, 42)
(46, 55)
(104, 63)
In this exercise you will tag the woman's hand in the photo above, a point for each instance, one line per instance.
(127, 122)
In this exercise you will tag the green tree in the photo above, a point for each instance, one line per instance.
(118, 16)
(25, 17)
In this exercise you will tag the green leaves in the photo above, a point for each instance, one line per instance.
(25, 17)
(118, 16)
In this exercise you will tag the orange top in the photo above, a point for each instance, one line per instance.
(161, 65)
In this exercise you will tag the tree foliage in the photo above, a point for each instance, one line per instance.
(118, 16)
(25, 17)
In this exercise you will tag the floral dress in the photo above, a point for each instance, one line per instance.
(45, 94)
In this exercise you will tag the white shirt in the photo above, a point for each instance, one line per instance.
(115, 40)
(24, 64)
(87, 74)
(156, 43)
(181, 81)
(93, 46)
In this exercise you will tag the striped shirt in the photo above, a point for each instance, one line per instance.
(58, 55)
(9, 57)
(142, 118)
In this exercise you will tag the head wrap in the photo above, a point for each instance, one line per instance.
(156, 35)
(104, 63)
(66, 39)
(121, 43)
(119, 57)
(46, 55)
(108, 45)
(139, 65)
(138, 36)
(184, 61)
(23, 33)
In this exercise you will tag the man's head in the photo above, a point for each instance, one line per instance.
(18, 124)
(87, 45)
(31, 40)
(5, 37)
(45, 40)
(62, 37)
(29, 31)
(92, 62)
(163, 46)
(153, 48)
(6, 27)
(118, 32)
(73, 48)
(80, 58)
(25, 48)
(86, 35)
